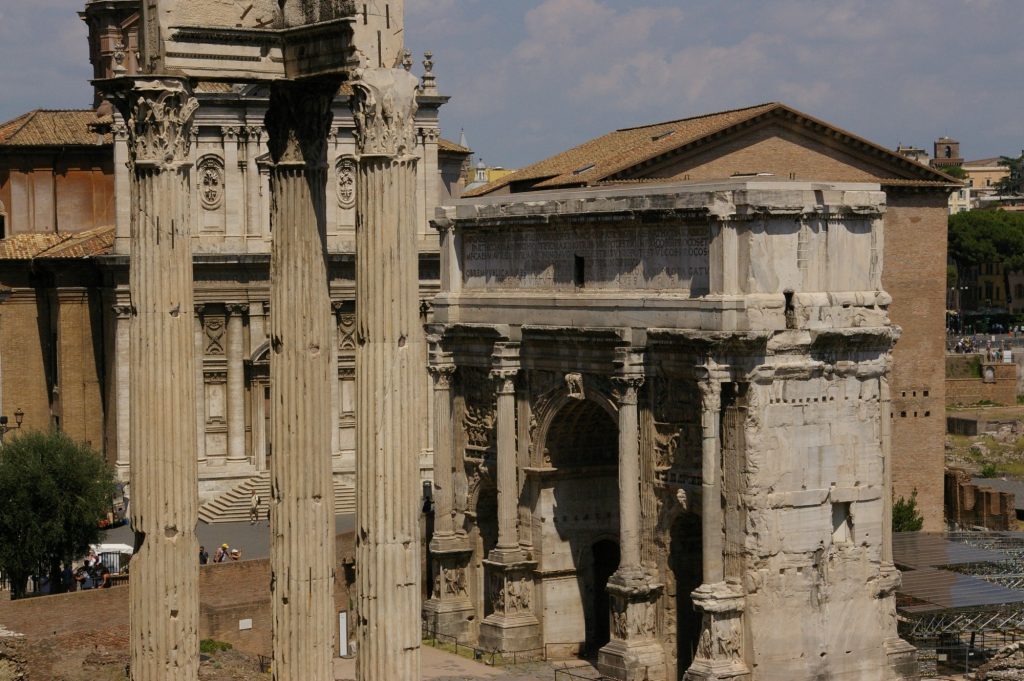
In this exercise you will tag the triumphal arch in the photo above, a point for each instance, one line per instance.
(663, 427)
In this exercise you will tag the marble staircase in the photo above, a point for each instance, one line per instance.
(233, 505)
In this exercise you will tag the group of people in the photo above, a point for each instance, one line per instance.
(93, 574)
(223, 554)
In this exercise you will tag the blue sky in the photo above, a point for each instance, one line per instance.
(532, 77)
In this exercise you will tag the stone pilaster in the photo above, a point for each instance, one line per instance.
(235, 352)
(511, 626)
(900, 655)
(720, 649)
(634, 651)
(200, 378)
(302, 509)
(389, 359)
(449, 609)
(122, 373)
(163, 594)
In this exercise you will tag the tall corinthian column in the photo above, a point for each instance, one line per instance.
(163, 595)
(390, 351)
(302, 495)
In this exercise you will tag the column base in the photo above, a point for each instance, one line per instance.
(450, 611)
(635, 653)
(720, 649)
(512, 627)
(901, 658)
(632, 661)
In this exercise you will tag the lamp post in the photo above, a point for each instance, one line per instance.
(19, 416)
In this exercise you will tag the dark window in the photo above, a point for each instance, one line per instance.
(579, 272)
(3, 226)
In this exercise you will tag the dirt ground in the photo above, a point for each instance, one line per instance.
(102, 655)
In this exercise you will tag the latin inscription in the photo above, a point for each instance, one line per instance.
(668, 257)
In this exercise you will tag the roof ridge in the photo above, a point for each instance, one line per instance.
(27, 116)
(698, 117)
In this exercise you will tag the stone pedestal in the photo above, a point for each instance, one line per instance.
(390, 348)
(512, 626)
(720, 648)
(450, 610)
(634, 652)
(302, 556)
(163, 594)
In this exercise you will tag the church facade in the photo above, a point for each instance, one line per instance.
(72, 315)
(662, 428)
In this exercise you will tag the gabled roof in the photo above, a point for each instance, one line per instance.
(619, 155)
(452, 147)
(46, 128)
(64, 245)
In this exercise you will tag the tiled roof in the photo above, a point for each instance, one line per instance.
(607, 158)
(452, 147)
(45, 128)
(92, 242)
(992, 162)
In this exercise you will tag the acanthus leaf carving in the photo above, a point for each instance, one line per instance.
(384, 110)
(297, 122)
(159, 115)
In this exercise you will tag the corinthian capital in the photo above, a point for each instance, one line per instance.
(384, 110)
(159, 115)
(298, 121)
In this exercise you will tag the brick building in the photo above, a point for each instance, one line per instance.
(776, 140)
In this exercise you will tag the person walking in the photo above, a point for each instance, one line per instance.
(221, 556)
(204, 555)
(254, 508)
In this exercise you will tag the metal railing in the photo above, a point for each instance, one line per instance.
(493, 658)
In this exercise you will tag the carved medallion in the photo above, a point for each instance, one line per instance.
(210, 180)
(346, 169)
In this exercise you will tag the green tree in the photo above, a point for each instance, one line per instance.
(955, 171)
(1014, 182)
(977, 237)
(53, 492)
(905, 517)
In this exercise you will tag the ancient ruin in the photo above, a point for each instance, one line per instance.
(669, 430)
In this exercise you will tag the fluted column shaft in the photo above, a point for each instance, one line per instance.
(444, 475)
(236, 383)
(200, 379)
(711, 481)
(163, 595)
(508, 496)
(629, 475)
(302, 510)
(885, 415)
(122, 369)
(390, 348)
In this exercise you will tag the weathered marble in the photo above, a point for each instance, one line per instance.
(163, 594)
(302, 555)
(390, 347)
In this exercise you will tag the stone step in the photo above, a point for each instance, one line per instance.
(233, 505)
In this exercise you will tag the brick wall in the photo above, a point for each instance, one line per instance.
(22, 373)
(914, 275)
(228, 593)
(967, 391)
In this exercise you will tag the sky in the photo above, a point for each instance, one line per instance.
(529, 78)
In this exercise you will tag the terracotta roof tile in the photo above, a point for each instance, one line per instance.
(452, 147)
(92, 242)
(45, 128)
(602, 158)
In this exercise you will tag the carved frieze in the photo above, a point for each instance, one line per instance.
(346, 172)
(479, 416)
(210, 182)
(450, 582)
(511, 592)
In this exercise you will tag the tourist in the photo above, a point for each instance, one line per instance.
(221, 556)
(254, 508)
(236, 554)
(204, 555)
